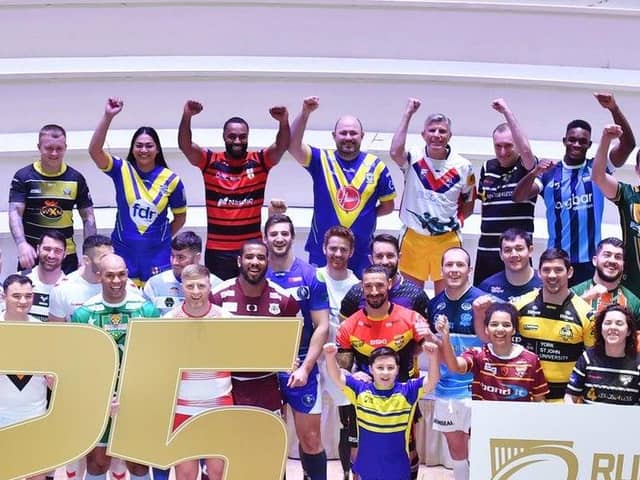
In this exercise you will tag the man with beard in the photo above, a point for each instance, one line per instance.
(452, 409)
(385, 251)
(350, 187)
(555, 323)
(605, 287)
(234, 182)
(48, 271)
(301, 388)
(574, 201)
(381, 323)
(251, 294)
(438, 196)
(498, 178)
(518, 276)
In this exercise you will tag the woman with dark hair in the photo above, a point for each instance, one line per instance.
(502, 370)
(145, 190)
(609, 372)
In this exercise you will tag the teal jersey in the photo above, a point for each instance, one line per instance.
(114, 319)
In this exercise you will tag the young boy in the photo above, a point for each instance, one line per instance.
(384, 410)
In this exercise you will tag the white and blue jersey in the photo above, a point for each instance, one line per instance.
(574, 209)
(309, 290)
(462, 335)
(164, 290)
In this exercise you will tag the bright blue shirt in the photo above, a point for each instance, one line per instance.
(309, 290)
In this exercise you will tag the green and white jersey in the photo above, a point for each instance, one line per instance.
(628, 201)
(114, 319)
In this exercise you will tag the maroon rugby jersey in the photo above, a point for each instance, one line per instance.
(257, 389)
(517, 378)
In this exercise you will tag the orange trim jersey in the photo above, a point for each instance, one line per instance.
(362, 334)
(234, 190)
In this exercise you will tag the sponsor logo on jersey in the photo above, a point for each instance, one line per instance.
(303, 293)
(251, 307)
(51, 209)
(490, 368)
(576, 201)
(625, 379)
(441, 306)
(378, 341)
(230, 306)
(143, 213)
(530, 326)
(348, 198)
(466, 306)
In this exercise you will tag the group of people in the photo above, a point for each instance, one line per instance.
(509, 332)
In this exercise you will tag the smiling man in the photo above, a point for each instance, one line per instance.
(606, 286)
(350, 187)
(438, 195)
(555, 323)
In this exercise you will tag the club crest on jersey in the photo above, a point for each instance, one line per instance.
(50, 209)
(66, 191)
(250, 173)
(115, 318)
(566, 333)
(143, 213)
(274, 309)
(521, 370)
(369, 178)
(348, 198)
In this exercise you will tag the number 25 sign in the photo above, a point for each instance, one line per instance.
(84, 361)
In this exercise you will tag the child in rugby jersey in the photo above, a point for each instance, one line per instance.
(502, 370)
(384, 410)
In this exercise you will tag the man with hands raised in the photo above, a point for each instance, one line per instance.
(350, 187)
(438, 195)
(234, 182)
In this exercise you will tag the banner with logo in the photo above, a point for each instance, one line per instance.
(538, 441)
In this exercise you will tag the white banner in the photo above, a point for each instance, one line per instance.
(537, 441)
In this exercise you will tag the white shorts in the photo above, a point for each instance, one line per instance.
(452, 415)
(327, 385)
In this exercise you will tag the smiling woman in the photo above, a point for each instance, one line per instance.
(145, 190)
(610, 371)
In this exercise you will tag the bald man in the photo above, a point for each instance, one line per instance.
(350, 187)
(111, 311)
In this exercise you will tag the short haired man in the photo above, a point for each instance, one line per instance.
(234, 182)
(626, 197)
(251, 294)
(301, 388)
(42, 197)
(606, 286)
(199, 390)
(351, 188)
(574, 204)
(381, 323)
(498, 178)
(22, 397)
(555, 323)
(452, 409)
(48, 271)
(164, 290)
(518, 276)
(439, 193)
(338, 249)
(385, 251)
(111, 310)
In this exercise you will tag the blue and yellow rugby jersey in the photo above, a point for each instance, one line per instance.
(574, 206)
(143, 199)
(346, 193)
(384, 423)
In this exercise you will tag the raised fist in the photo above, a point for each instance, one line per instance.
(500, 105)
(310, 104)
(413, 104)
(606, 100)
(279, 113)
(612, 131)
(192, 107)
(113, 107)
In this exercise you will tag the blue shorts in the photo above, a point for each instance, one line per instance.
(307, 399)
(144, 260)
